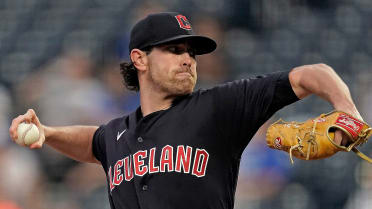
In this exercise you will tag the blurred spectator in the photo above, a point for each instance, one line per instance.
(323, 179)
(71, 88)
(263, 173)
(64, 92)
(139, 11)
(361, 198)
(212, 68)
(20, 178)
(118, 100)
(147, 7)
(364, 94)
(86, 184)
(5, 110)
(254, 37)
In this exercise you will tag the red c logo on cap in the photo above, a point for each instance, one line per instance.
(183, 22)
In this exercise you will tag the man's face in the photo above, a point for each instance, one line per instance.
(172, 68)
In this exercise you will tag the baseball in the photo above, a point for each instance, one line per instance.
(28, 133)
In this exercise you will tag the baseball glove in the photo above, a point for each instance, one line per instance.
(313, 139)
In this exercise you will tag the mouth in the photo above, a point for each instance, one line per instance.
(184, 74)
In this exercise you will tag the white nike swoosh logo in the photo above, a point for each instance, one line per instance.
(119, 134)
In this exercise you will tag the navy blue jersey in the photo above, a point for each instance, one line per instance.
(188, 155)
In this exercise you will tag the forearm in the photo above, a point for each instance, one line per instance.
(72, 141)
(323, 81)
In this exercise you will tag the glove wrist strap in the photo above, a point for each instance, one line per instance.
(361, 155)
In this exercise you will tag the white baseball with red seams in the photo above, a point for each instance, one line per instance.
(28, 133)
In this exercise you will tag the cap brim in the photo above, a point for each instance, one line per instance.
(201, 44)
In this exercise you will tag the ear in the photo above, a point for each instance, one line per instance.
(139, 59)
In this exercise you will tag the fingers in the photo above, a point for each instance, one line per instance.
(13, 127)
(341, 138)
(31, 115)
(28, 117)
(37, 145)
(346, 140)
(338, 137)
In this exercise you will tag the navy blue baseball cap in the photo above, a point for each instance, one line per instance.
(161, 28)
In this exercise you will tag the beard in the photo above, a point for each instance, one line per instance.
(175, 86)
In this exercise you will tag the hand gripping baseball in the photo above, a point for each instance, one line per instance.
(28, 117)
(314, 138)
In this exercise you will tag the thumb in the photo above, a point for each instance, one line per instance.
(39, 143)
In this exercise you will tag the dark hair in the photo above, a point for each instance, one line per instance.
(129, 73)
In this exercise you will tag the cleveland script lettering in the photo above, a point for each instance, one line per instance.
(125, 168)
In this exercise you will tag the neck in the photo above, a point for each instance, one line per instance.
(152, 101)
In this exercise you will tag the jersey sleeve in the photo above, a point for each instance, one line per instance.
(244, 105)
(99, 145)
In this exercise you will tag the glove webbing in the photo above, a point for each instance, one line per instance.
(299, 146)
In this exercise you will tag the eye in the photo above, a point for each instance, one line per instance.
(173, 49)
(180, 50)
(192, 53)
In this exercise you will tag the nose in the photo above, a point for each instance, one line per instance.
(187, 60)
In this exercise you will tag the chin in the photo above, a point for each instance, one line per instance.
(182, 89)
(186, 86)
(178, 87)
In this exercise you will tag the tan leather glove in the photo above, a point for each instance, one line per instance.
(314, 138)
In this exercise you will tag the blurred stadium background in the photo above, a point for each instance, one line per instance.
(62, 59)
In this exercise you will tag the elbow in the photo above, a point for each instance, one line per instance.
(323, 68)
(313, 73)
(297, 78)
(306, 72)
(305, 79)
(322, 65)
